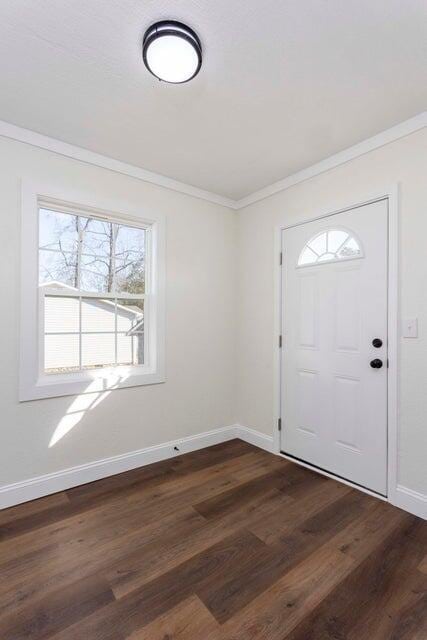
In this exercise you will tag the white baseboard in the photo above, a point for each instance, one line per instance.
(410, 500)
(256, 438)
(13, 494)
(33, 488)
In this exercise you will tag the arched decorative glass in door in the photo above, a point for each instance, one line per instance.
(330, 246)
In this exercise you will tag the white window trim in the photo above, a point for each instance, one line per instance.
(34, 383)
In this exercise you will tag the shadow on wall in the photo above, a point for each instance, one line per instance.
(80, 406)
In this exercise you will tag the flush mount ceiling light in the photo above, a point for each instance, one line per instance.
(172, 51)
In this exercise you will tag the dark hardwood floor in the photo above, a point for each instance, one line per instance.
(227, 543)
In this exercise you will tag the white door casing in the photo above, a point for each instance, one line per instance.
(334, 404)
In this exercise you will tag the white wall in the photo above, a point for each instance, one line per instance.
(403, 162)
(199, 393)
(214, 299)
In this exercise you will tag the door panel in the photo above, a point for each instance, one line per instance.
(307, 401)
(334, 404)
(308, 311)
(346, 398)
(347, 320)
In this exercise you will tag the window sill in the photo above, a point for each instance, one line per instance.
(91, 381)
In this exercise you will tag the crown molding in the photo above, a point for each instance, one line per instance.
(27, 136)
(375, 142)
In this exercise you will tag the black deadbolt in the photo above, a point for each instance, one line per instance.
(377, 343)
(376, 364)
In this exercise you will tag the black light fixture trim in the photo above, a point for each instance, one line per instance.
(172, 28)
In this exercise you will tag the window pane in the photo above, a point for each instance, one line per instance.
(61, 353)
(130, 259)
(130, 349)
(130, 325)
(351, 248)
(307, 256)
(98, 350)
(61, 314)
(97, 237)
(130, 316)
(61, 343)
(130, 276)
(95, 275)
(98, 315)
(318, 244)
(336, 238)
(55, 267)
(97, 255)
(58, 231)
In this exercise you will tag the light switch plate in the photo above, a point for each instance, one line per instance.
(410, 328)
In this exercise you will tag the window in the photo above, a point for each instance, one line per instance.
(98, 321)
(330, 246)
(92, 278)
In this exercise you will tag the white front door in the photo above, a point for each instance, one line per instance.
(334, 344)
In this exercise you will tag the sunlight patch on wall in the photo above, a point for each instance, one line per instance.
(80, 406)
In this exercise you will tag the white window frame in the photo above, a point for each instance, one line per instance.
(34, 382)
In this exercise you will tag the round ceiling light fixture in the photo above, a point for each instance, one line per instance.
(172, 51)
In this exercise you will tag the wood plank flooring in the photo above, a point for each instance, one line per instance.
(227, 543)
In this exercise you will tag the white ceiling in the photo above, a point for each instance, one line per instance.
(284, 83)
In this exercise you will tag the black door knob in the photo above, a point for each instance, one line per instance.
(376, 364)
(377, 343)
